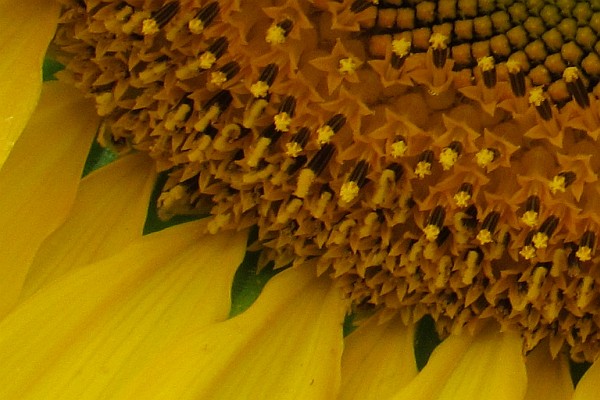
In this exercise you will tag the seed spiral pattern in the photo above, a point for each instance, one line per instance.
(435, 158)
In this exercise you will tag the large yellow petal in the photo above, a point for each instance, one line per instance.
(587, 388)
(85, 334)
(39, 180)
(287, 345)
(109, 212)
(378, 360)
(27, 28)
(548, 379)
(487, 367)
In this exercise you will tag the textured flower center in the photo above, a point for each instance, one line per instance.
(435, 157)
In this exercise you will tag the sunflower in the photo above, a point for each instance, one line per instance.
(401, 167)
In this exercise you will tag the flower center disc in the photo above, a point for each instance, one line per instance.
(435, 157)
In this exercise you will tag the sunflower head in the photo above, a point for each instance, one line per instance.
(435, 158)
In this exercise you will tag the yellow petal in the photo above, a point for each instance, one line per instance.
(378, 360)
(27, 28)
(85, 334)
(548, 379)
(587, 388)
(287, 345)
(487, 367)
(108, 213)
(39, 181)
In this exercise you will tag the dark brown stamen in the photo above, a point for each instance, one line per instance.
(208, 13)
(230, 69)
(426, 156)
(490, 221)
(218, 47)
(298, 163)
(359, 173)
(437, 217)
(544, 110)
(165, 13)
(466, 187)
(470, 221)
(456, 147)
(222, 100)
(397, 169)
(270, 132)
(588, 239)
(517, 83)
(286, 25)
(360, 5)
(268, 74)
(288, 105)
(532, 204)
(569, 177)
(576, 87)
(336, 122)
(318, 163)
(549, 225)
(301, 137)
(442, 236)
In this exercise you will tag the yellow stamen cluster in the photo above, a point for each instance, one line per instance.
(435, 160)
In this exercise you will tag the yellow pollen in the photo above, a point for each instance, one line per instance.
(213, 95)
(207, 60)
(472, 267)
(462, 199)
(177, 117)
(170, 198)
(399, 148)
(282, 121)
(585, 292)
(538, 280)
(218, 222)
(124, 13)
(275, 35)
(210, 116)
(322, 204)
(486, 63)
(401, 47)
(218, 78)
(349, 191)
(557, 184)
(104, 103)
(571, 74)
(484, 157)
(288, 211)
(584, 253)
(447, 158)
(540, 240)
(431, 232)
(385, 181)
(255, 111)
(150, 27)
(259, 89)
(347, 66)
(484, 236)
(536, 96)
(257, 153)
(292, 149)
(528, 252)
(423, 168)
(196, 26)
(305, 179)
(324, 133)
(530, 218)
(438, 41)
(513, 66)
